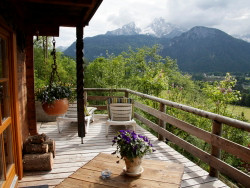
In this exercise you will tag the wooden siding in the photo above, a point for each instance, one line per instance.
(30, 84)
(22, 94)
(71, 154)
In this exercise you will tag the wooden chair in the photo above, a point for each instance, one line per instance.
(120, 114)
(71, 116)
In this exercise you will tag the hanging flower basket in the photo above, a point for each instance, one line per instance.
(54, 99)
(58, 107)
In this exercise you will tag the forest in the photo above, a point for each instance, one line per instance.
(144, 70)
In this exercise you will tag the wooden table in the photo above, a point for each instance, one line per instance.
(156, 174)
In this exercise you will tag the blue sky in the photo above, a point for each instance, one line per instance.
(231, 16)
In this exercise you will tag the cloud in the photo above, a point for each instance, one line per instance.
(67, 36)
(121, 17)
(230, 16)
(212, 4)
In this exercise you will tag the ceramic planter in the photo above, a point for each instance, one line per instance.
(133, 167)
(58, 107)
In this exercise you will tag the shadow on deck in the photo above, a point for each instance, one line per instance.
(71, 154)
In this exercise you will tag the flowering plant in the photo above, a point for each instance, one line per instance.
(54, 92)
(132, 145)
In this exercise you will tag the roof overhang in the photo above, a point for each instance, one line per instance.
(46, 16)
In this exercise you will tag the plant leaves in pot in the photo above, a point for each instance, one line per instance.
(54, 99)
(132, 147)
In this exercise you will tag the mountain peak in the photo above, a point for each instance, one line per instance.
(158, 28)
(200, 49)
(128, 29)
(200, 32)
(161, 28)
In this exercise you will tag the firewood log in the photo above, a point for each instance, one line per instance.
(52, 146)
(38, 162)
(37, 139)
(36, 148)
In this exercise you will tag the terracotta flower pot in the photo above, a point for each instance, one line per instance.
(58, 107)
(133, 168)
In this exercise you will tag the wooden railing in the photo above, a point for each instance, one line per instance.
(214, 138)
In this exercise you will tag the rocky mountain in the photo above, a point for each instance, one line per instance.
(128, 29)
(243, 37)
(200, 49)
(112, 44)
(158, 28)
(61, 48)
(161, 28)
(203, 49)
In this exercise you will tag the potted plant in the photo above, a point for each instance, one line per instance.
(132, 147)
(54, 99)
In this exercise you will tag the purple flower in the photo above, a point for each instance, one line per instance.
(140, 136)
(128, 140)
(122, 131)
(145, 139)
(130, 144)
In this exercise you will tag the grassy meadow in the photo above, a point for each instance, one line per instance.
(239, 109)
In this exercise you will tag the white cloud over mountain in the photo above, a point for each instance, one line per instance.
(230, 16)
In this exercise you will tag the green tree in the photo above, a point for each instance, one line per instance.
(106, 73)
(145, 70)
(66, 67)
(222, 93)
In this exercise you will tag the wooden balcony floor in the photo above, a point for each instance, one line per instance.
(71, 154)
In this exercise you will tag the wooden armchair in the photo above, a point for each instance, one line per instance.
(120, 113)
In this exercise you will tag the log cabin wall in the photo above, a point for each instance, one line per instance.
(27, 17)
(21, 20)
(15, 71)
(21, 77)
(7, 18)
(22, 93)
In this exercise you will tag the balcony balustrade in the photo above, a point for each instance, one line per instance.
(95, 141)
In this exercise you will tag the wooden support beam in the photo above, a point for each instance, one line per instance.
(31, 108)
(161, 122)
(80, 81)
(126, 94)
(16, 124)
(85, 3)
(90, 12)
(215, 151)
(43, 30)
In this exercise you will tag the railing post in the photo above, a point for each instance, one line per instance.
(85, 96)
(161, 122)
(126, 94)
(215, 151)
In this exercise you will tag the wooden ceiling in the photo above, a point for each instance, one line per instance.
(46, 16)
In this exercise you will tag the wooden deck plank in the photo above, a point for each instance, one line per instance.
(75, 183)
(51, 183)
(71, 155)
(118, 181)
(198, 181)
(217, 183)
